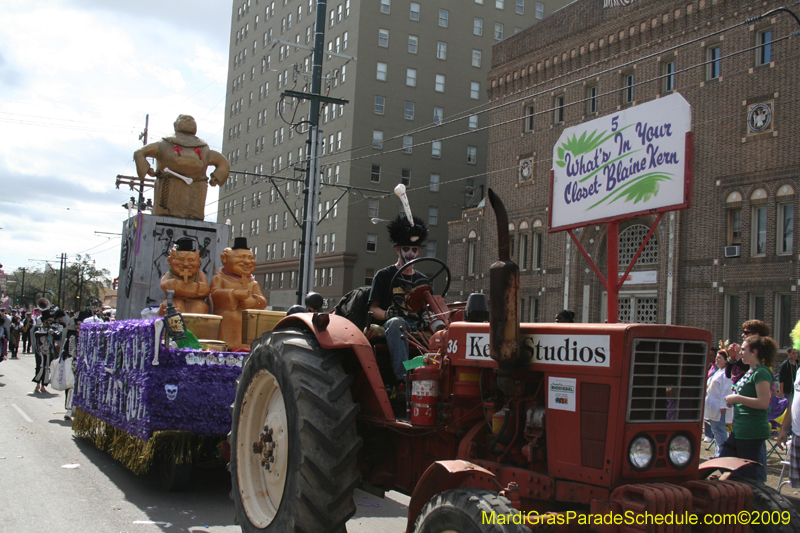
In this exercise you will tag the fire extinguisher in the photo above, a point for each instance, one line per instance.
(424, 395)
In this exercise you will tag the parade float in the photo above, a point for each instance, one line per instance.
(157, 391)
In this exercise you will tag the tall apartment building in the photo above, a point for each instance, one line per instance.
(728, 258)
(414, 77)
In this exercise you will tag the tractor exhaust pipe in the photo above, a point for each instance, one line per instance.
(503, 293)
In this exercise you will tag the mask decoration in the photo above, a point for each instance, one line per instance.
(172, 391)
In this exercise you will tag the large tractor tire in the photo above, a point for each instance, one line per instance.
(768, 501)
(293, 438)
(465, 510)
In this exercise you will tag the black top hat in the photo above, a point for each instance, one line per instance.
(402, 233)
(240, 243)
(46, 314)
(185, 244)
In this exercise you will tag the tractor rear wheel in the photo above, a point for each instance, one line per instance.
(772, 511)
(463, 511)
(293, 438)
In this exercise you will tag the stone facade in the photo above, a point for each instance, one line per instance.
(603, 60)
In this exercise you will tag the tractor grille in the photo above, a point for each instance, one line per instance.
(667, 380)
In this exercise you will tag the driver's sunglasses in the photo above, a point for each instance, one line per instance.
(746, 332)
(414, 249)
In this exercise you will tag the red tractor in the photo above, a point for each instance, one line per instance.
(513, 427)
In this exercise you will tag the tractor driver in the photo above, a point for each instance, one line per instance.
(388, 303)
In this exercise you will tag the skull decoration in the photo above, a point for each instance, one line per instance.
(172, 391)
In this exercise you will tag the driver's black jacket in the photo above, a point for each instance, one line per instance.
(386, 296)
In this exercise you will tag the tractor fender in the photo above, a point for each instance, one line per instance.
(341, 334)
(726, 464)
(439, 477)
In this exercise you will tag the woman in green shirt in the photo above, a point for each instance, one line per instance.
(750, 400)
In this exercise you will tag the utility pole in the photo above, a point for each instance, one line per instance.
(22, 295)
(311, 192)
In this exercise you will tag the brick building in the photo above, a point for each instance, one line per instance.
(730, 256)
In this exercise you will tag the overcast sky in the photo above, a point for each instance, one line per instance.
(77, 78)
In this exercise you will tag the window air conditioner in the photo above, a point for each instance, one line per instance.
(733, 251)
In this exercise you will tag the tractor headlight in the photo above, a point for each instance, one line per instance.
(680, 451)
(641, 453)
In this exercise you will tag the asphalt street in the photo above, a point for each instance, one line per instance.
(51, 481)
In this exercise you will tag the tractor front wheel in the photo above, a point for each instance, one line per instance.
(468, 510)
(771, 512)
(293, 438)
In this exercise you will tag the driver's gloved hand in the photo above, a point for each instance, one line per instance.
(393, 312)
(424, 321)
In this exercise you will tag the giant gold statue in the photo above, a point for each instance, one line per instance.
(182, 161)
(234, 290)
(186, 279)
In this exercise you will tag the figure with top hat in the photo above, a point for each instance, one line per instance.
(186, 279)
(233, 290)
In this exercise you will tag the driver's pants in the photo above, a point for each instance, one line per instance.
(398, 346)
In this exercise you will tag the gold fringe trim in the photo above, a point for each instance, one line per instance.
(137, 455)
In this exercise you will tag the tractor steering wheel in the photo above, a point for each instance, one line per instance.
(419, 260)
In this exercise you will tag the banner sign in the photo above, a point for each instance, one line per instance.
(622, 165)
(116, 381)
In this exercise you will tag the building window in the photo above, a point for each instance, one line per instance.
(438, 115)
(372, 209)
(732, 324)
(411, 77)
(408, 114)
(380, 105)
(764, 47)
(431, 249)
(477, 27)
(471, 253)
(372, 242)
(536, 251)
(375, 174)
(668, 84)
(523, 251)
(558, 109)
(759, 231)
(433, 216)
(472, 155)
(386, 6)
(369, 273)
(439, 86)
(383, 38)
(520, 10)
(785, 228)
(473, 122)
(498, 31)
(627, 93)
(333, 242)
(405, 176)
(434, 186)
(783, 320)
(530, 116)
(734, 226)
(414, 14)
(499, 4)
(539, 10)
(441, 50)
(377, 139)
(408, 142)
(475, 90)
(591, 100)
(713, 55)
(382, 69)
(436, 149)
(757, 306)
(413, 44)
(629, 242)
(444, 15)
(476, 58)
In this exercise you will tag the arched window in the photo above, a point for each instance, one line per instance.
(629, 242)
